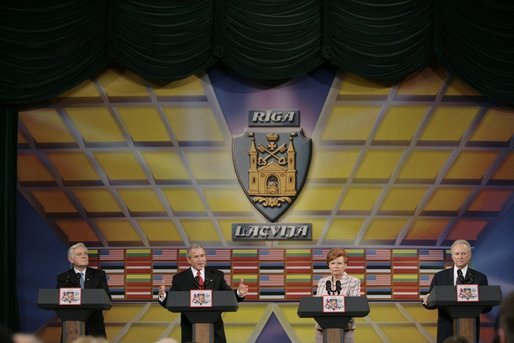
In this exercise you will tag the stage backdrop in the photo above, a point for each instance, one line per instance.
(138, 171)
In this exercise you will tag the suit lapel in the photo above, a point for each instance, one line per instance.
(87, 278)
(450, 277)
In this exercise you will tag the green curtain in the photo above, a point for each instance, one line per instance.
(8, 144)
(48, 46)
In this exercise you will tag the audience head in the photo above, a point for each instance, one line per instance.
(90, 339)
(461, 253)
(506, 320)
(456, 339)
(167, 340)
(26, 338)
(5, 334)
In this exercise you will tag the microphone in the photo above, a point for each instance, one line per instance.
(338, 287)
(328, 287)
(197, 282)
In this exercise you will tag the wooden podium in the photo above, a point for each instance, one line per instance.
(333, 324)
(74, 317)
(203, 318)
(464, 314)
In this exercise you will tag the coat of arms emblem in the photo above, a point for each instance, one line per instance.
(272, 168)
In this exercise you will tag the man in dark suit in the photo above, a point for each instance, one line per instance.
(80, 275)
(461, 273)
(199, 276)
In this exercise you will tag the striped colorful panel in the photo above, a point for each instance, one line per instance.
(138, 266)
(271, 280)
(299, 279)
(320, 254)
(138, 292)
(316, 278)
(299, 266)
(405, 279)
(405, 293)
(298, 254)
(378, 292)
(117, 292)
(182, 259)
(114, 280)
(425, 280)
(271, 254)
(139, 254)
(112, 255)
(410, 254)
(247, 278)
(94, 258)
(275, 293)
(139, 279)
(378, 254)
(243, 254)
(164, 267)
(431, 267)
(271, 267)
(245, 266)
(424, 290)
(218, 254)
(378, 267)
(297, 292)
(378, 280)
(431, 254)
(158, 279)
(164, 255)
(223, 266)
(405, 266)
(320, 267)
(356, 266)
(355, 254)
(111, 267)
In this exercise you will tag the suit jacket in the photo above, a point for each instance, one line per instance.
(444, 321)
(94, 278)
(185, 281)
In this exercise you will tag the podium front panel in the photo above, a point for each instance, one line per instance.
(222, 301)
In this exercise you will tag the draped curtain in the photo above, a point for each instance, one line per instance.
(48, 46)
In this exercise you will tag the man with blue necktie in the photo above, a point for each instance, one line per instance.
(80, 275)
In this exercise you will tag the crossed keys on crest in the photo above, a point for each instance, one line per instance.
(262, 161)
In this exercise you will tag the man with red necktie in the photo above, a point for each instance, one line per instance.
(199, 276)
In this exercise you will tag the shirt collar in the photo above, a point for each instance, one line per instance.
(464, 272)
(202, 272)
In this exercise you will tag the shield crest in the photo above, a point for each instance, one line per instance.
(272, 168)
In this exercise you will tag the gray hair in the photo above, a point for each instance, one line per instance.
(75, 246)
(463, 242)
(194, 246)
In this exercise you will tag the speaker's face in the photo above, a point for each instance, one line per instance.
(80, 257)
(337, 267)
(197, 258)
(461, 255)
